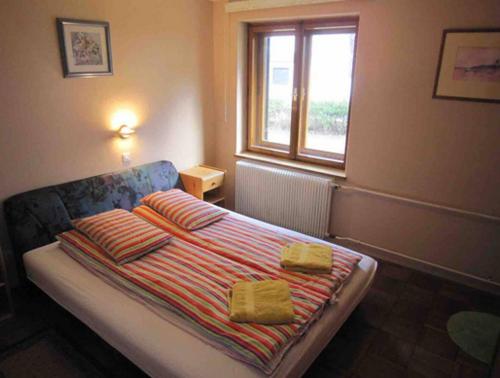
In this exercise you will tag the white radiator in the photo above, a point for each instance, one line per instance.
(284, 197)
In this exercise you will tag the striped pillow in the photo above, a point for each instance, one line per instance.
(123, 235)
(183, 209)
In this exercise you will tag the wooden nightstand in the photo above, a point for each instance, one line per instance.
(205, 183)
(6, 308)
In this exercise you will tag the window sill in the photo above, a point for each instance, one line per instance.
(315, 168)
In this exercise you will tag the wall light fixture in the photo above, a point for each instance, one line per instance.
(125, 131)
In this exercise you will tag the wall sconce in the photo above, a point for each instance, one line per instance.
(125, 131)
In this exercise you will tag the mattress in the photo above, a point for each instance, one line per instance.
(160, 345)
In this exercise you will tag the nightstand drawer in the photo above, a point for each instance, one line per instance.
(204, 182)
(212, 182)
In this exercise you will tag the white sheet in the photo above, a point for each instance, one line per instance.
(159, 347)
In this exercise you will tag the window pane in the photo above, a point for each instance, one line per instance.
(330, 74)
(279, 54)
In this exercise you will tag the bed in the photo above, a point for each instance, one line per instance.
(159, 345)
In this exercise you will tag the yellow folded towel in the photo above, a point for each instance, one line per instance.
(307, 258)
(264, 302)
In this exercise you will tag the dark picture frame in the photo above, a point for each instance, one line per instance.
(85, 47)
(469, 65)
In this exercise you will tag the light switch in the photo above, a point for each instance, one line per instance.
(126, 159)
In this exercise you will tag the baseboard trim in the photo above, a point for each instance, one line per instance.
(419, 264)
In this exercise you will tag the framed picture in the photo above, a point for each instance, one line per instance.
(469, 65)
(85, 47)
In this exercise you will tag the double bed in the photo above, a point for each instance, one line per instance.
(162, 345)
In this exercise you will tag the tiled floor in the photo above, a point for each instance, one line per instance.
(399, 330)
(37, 315)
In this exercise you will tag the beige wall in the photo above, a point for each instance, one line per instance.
(401, 140)
(53, 129)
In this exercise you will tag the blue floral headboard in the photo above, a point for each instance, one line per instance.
(34, 218)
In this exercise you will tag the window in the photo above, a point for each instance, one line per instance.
(299, 89)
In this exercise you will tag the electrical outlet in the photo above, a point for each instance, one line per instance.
(126, 159)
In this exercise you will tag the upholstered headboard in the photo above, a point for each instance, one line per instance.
(34, 218)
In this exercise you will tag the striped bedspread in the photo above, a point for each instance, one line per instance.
(259, 248)
(191, 277)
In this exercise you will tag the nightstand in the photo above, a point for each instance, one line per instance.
(6, 308)
(205, 182)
